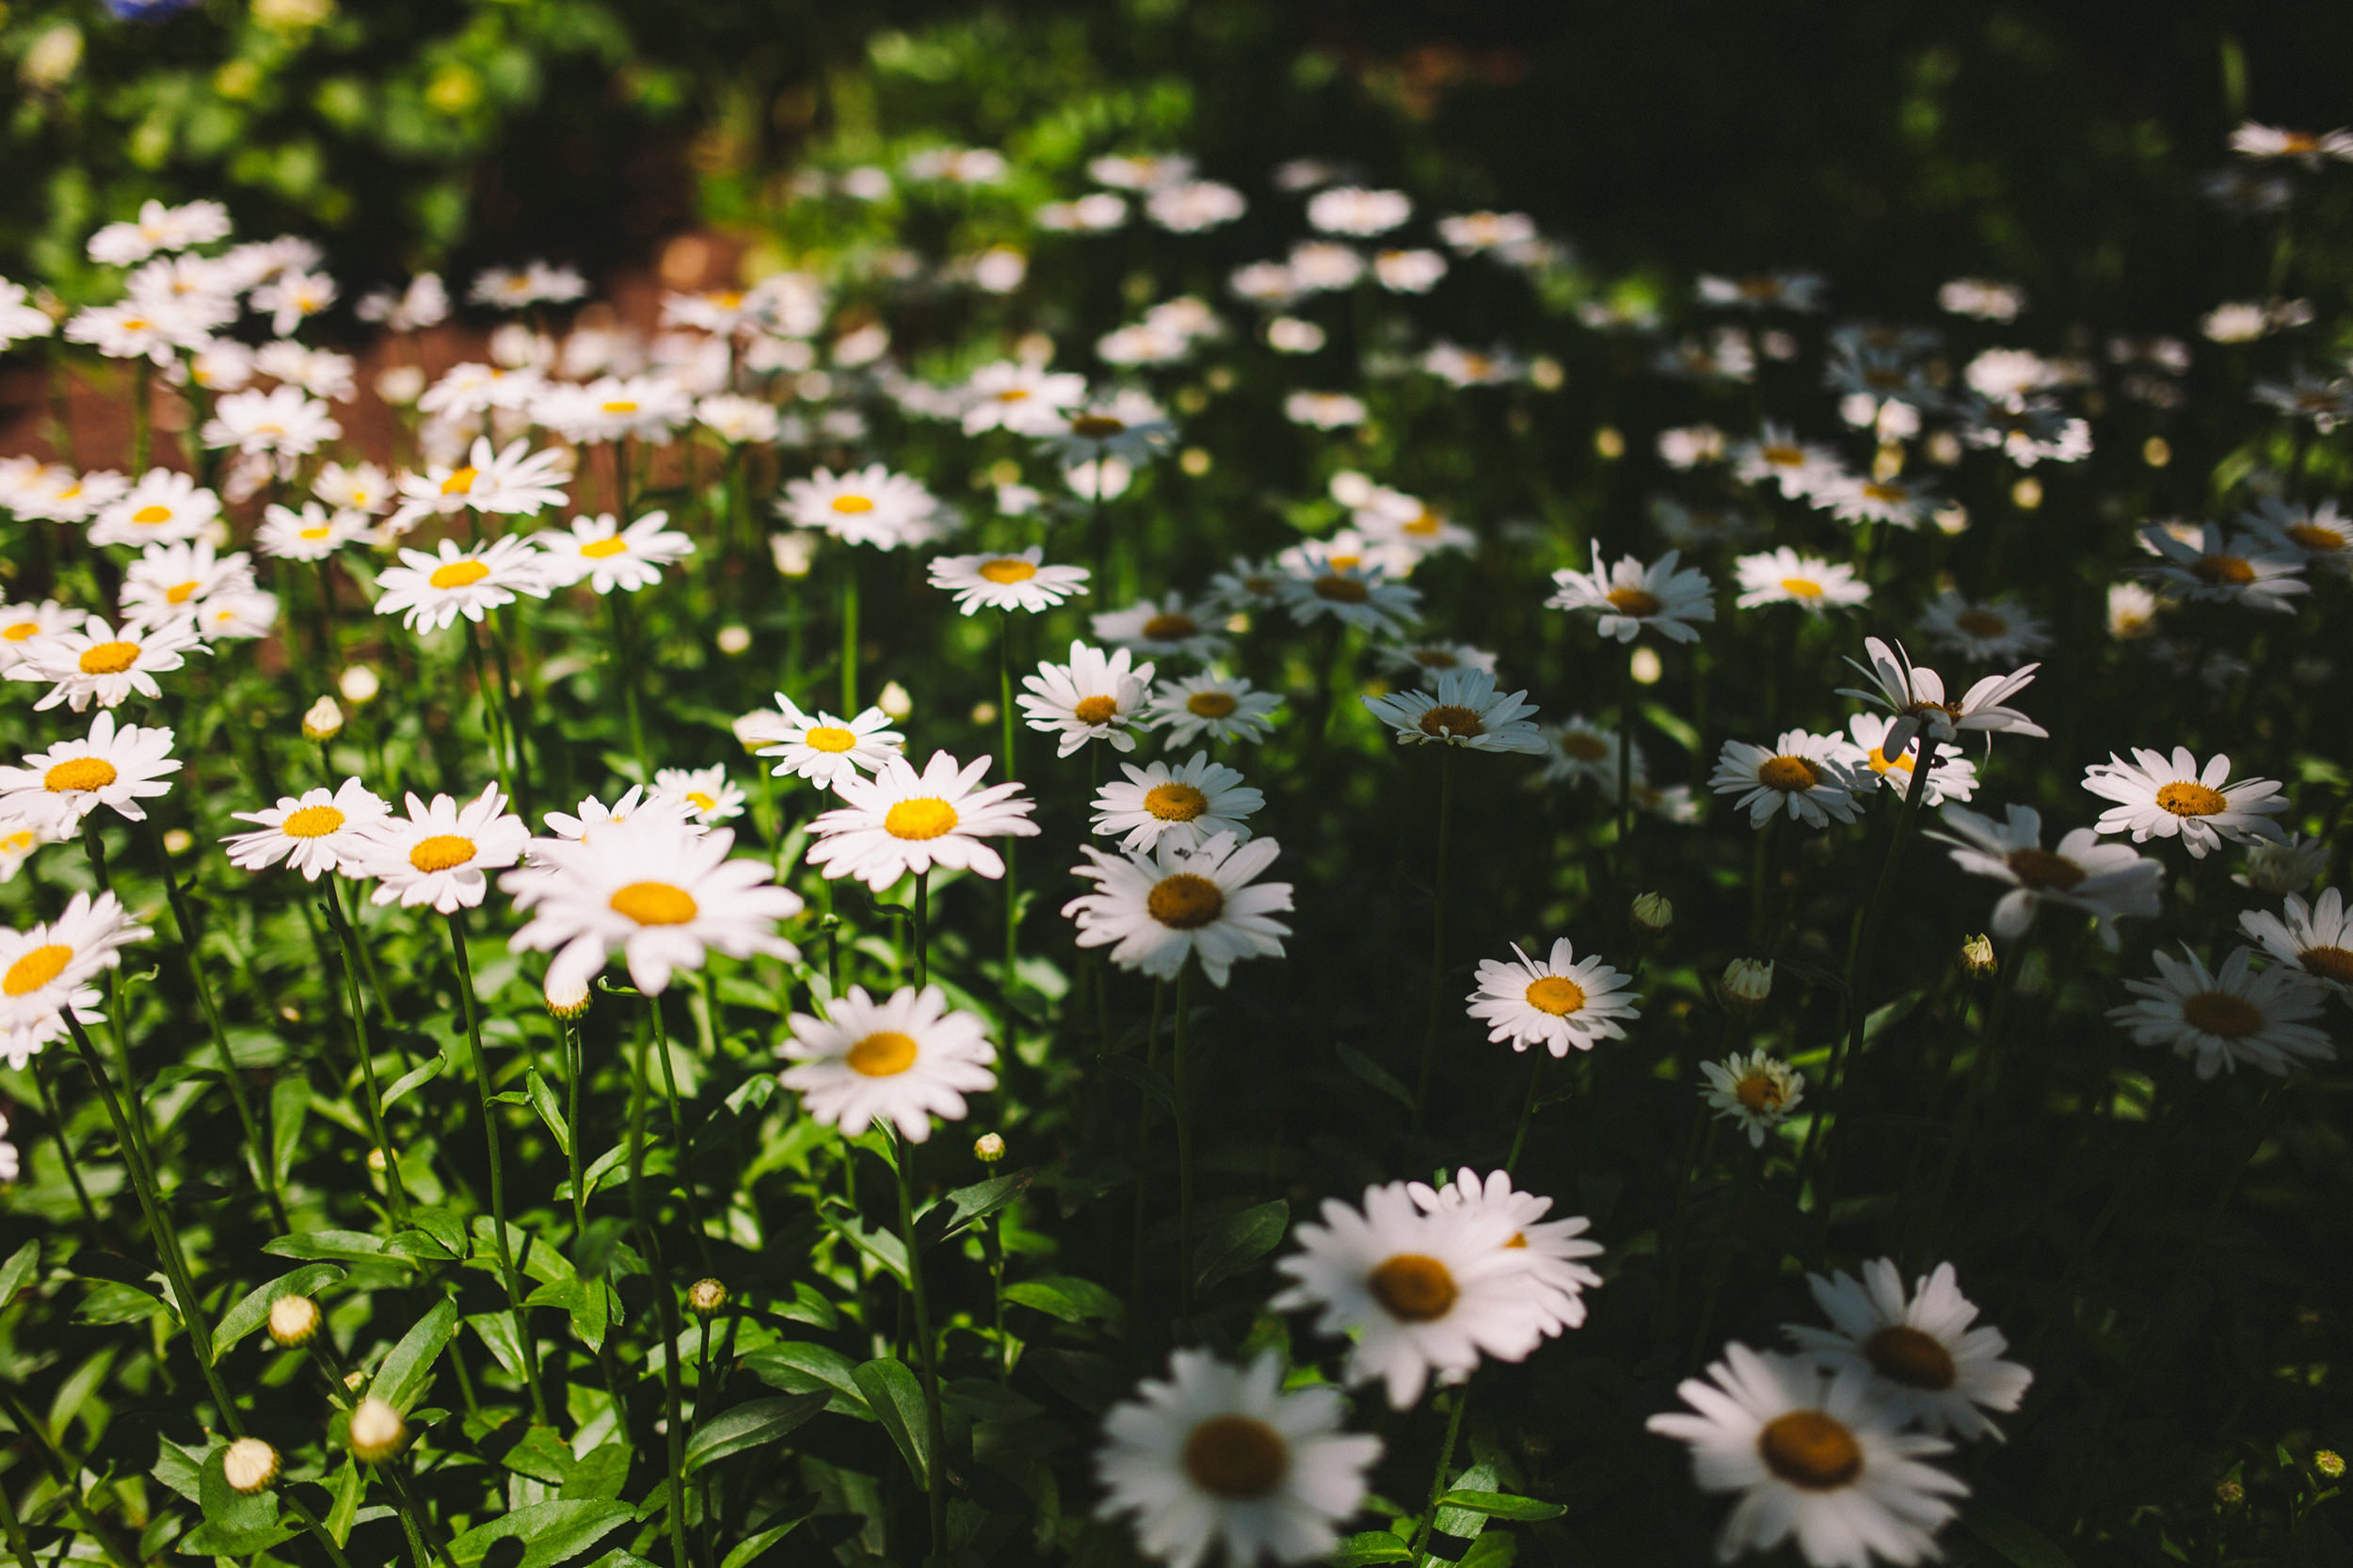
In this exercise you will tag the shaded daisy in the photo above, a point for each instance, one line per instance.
(1803, 775)
(1202, 901)
(1557, 1001)
(1996, 628)
(1919, 1349)
(1215, 705)
(1355, 594)
(1629, 597)
(2241, 570)
(1580, 751)
(904, 1059)
(2316, 937)
(2227, 1018)
(1163, 626)
(1181, 805)
(1755, 1093)
(2108, 882)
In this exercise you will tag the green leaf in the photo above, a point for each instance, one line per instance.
(1501, 1505)
(112, 1301)
(897, 1401)
(415, 1078)
(1371, 1072)
(350, 1245)
(799, 1366)
(236, 1524)
(960, 1210)
(497, 1330)
(1241, 1239)
(289, 1104)
(1672, 725)
(344, 1515)
(2015, 1538)
(408, 1370)
(550, 1532)
(808, 1305)
(1887, 1014)
(1151, 1080)
(987, 1400)
(880, 1245)
(748, 1426)
(543, 1101)
(18, 1270)
(252, 1311)
(1461, 1523)
(447, 1229)
(747, 1551)
(1371, 1546)
(1067, 1297)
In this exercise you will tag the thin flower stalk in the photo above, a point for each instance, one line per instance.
(1437, 943)
(349, 942)
(928, 1348)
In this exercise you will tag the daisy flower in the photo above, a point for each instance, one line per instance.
(1998, 627)
(438, 853)
(113, 767)
(164, 507)
(1557, 1001)
(312, 534)
(2321, 534)
(1471, 367)
(903, 1060)
(1918, 1350)
(1955, 777)
(19, 838)
(2255, 139)
(1785, 577)
(902, 823)
(1019, 581)
(1181, 805)
(1630, 596)
(1324, 410)
(319, 831)
(1464, 711)
(1813, 1455)
(1128, 427)
(1915, 696)
(1155, 911)
(2316, 937)
(2236, 570)
(21, 623)
(595, 821)
(1778, 457)
(823, 749)
(95, 663)
(1416, 1293)
(1393, 521)
(1552, 1251)
(2228, 1017)
(872, 506)
(1788, 291)
(1895, 501)
(1473, 232)
(1220, 707)
(1220, 1456)
(2107, 882)
(159, 228)
(1246, 586)
(1355, 593)
(284, 424)
(1095, 696)
(1429, 661)
(154, 329)
(1163, 628)
(430, 591)
(515, 481)
(1578, 750)
(172, 582)
(613, 408)
(2290, 866)
(1355, 211)
(661, 895)
(1755, 1093)
(706, 793)
(243, 613)
(44, 970)
(1807, 776)
(608, 556)
(2161, 797)
(1017, 397)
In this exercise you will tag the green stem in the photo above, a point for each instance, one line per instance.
(1528, 1107)
(922, 929)
(680, 1131)
(20, 1546)
(64, 1469)
(311, 1521)
(1459, 1403)
(351, 941)
(849, 632)
(1437, 945)
(575, 1065)
(517, 755)
(927, 1352)
(1181, 1083)
(65, 1144)
(1006, 738)
(625, 644)
(414, 1522)
(493, 721)
(665, 1297)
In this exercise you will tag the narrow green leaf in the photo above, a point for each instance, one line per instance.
(1371, 1546)
(897, 1401)
(289, 1105)
(497, 1330)
(1501, 1505)
(1239, 1242)
(1371, 1072)
(960, 1210)
(18, 1270)
(985, 1400)
(415, 1078)
(880, 1245)
(799, 1366)
(550, 1532)
(1461, 1525)
(543, 1101)
(749, 1550)
(344, 1515)
(351, 1245)
(1067, 1297)
(2015, 1538)
(408, 1370)
(748, 1426)
(252, 1310)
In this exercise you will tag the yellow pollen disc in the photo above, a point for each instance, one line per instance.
(459, 574)
(1882, 490)
(79, 773)
(1210, 705)
(1413, 1286)
(1448, 719)
(1344, 563)
(1556, 995)
(884, 1055)
(1801, 587)
(2186, 797)
(1784, 456)
(1175, 802)
(441, 853)
(136, 323)
(831, 738)
(316, 533)
(1013, 394)
(1790, 774)
(1981, 623)
(1583, 747)
(851, 505)
(148, 517)
(2219, 1012)
(1184, 902)
(2039, 869)
(1096, 710)
(109, 658)
(1758, 288)
(36, 968)
(1810, 1450)
(2298, 142)
(23, 842)
(311, 822)
(921, 817)
(1170, 628)
(619, 405)
(460, 481)
(2328, 963)
(1436, 659)
(2226, 572)
(1429, 522)
(1633, 601)
(1342, 590)
(1259, 585)
(19, 631)
(1758, 1093)
(700, 801)
(1236, 1457)
(1902, 1353)
(654, 904)
(1008, 570)
(597, 550)
(2321, 541)
(1095, 427)
(1882, 763)
(179, 593)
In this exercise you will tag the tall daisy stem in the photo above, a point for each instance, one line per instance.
(1528, 1107)
(922, 929)
(498, 1168)
(1005, 760)
(664, 1301)
(1437, 943)
(65, 1144)
(680, 1131)
(1458, 1405)
(625, 648)
(927, 1350)
(849, 633)
(350, 942)
(1180, 1074)
(575, 1067)
(493, 716)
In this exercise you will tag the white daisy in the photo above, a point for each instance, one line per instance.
(1785, 577)
(171, 582)
(2241, 570)
(1919, 1349)
(1220, 707)
(1464, 711)
(1322, 410)
(94, 663)
(823, 749)
(1915, 696)
(1126, 426)
(2228, 1017)
(1163, 628)
(1557, 1001)
(2255, 139)
(1355, 211)
(1897, 502)
(1392, 520)
(19, 838)
(2319, 533)
(1578, 750)
(113, 767)
(239, 614)
(872, 506)
(1220, 1456)
(608, 556)
(901, 823)
(1788, 291)
(2316, 937)
(1805, 775)
(44, 970)
(1408, 271)
(430, 591)
(1473, 232)
(1179, 804)
(1018, 580)
(595, 821)
(21, 623)
(515, 481)
(159, 228)
(1778, 457)
(2108, 882)
(2290, 866)
(1997, 628)
(1320, 267)
(1630, 596)
(2162, 797)
(284, 424)
(1429, 661)
(1155, 911)
(614, 407)
(1552, 1251)
(1017, 398)
(1755, 1093)
(1416, 1293)
(163, 507)
(312, 534)
(158, 331)
(706, 795)
(319, 831)
(1813, 1455)
(1955, 778)
(438, 853)
(1093, 697)
(903, 1060)
(1355, 593)
(1471, 367)
(1246, 586)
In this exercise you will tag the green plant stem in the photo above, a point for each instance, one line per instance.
(1698, 1150)
(1143, 1154)
(922, 929)
(493, 718)
(1437, 948)
(849, 632)
(414, 1522)
(20, 1546)
(625, 649)
(65, 1144)
(329, 649)
(1528, 1106)
(64, 1469)
(349, 939)
(927, 1350)
(1005, 743)
(1626, 778)
(295, 1505)
(665, 1297)
(519, 759)
(575, 1065)
(498, 1167)
(680, 1131)
(1458, 1405)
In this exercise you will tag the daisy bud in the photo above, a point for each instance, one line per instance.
(1652, 914)
(323, 722)
(401, 385)
(2026, 494)
(567, 995)
(352, 1382)
(179, 840)
(707, 1298)
(1977, 956)
(793, 552)
(2328, 1463)
(377, 1432)
(734, 639)
(293, 1321)
(2228, 1491)
(2156, 452)
(359, 685)
(894, 701)
(988, 1149)
(983, 713)
(1608, 443)
(1748, 981)
(375, 1161)
(249, 1466)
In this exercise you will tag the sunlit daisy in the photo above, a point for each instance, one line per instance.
(1919, 1349)
(1557, 1001)
(430, 591)
(594, 820)
(1155, 911)
(1017, 397)
(164, 507)
(615, 408)
(172, 583)
(95, 663)
(1629, 597)
(904, 1059)
(1163, 626)
(1552, 1251)
(1213, 706)
(50, 493)
(2162, 797)
(1015, 580)
(710, 799)
(1755, 1093)
(901, 823)
(1955, 778)
(284, 424)
(112, 766)
(1465, 709)
(1805, 775)
(20, 624)
(1180, 803)
(1914, 695)
(19, 838)
(1353, 592)
(823, 749)
(438, 853)
(46, 969)
(312, 534)
(319, 831)
(1785, 577)
(872, 506)
(2228, 1017)
(239, 614)
(600, 552)
(2244, 569)
(159, 228)
(513, 481)
(1093, 697)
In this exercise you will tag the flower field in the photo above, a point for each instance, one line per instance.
(1083, 852)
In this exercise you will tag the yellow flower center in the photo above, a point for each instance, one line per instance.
(2328, 963)
(441, 853)
(1801, 587)
(1445, 718)
(1881, 490)
(1175, 802)
(851, 505)
(2187, 797)
(109, 658)
(700, 801)
(1810, 1450)
(597, 550)
(18, 631)
(2321, 541)
(831, 738)
(179, 593)
(79, 774)
(886, 1054)
(1170, 628)
(1758, 1093)
(1414, 1286)
(459, 574)
(1783, 457)
(1096, 710)
(1095, 427)
(2224, 571)
(1236, 1457)
(2221, 1013)
(460, 481)
(36, 969)
(1428, 522)
(1556, 995)
(1902, 1353)
(319, 533)
(1634, 602)
(311, 822)
(2039, 869)
(921, 817)
(1584, 745)
(1013, 394)
(1436, 659)
(1981, 623)
(1210, 705)
(1790, 774)
(1342, 590)
(1184, 902)
(1008, 570)
(619, 405)
(654, 904)
(148, 517)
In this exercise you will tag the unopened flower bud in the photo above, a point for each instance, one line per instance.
(1748, 981)
(359, 685)
(249, 1466)
(323, 722)
(1652, 914)
(707, 1298)
(293, 1321)
(2228, 1491)
(894, 701)
(567, 994)
(377, 1432)
(376, 1162)
(1977, 956)
(400, 385)
(2328, 1463)
(179, 840)
(734, 639)
(988, 1149)
(792, 552)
